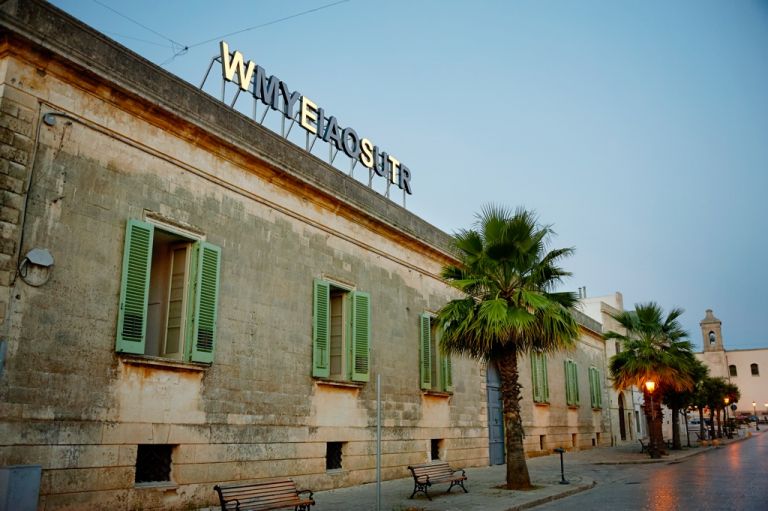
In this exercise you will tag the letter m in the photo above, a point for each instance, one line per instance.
(230, 64)
(267, 90)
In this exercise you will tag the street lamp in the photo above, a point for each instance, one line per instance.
(650, 386)
(726, 400)
(754, 412)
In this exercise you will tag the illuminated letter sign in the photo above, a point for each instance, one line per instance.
(274, 93)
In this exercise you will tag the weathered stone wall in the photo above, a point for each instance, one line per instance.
(556, 421)
(74, 406)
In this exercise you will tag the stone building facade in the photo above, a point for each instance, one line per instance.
(746, 368)
(627, 416)
(188, 298)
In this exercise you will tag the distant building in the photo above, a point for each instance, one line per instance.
(746, 368)
(627, 416)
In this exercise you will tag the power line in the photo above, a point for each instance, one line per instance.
(176, 46)
(268, 23)
(179, 49)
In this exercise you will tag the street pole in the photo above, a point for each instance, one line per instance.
(378, 442)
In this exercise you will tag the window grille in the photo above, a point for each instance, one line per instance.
(333, 456)
(153, 463)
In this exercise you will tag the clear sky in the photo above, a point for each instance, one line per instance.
(639, 130)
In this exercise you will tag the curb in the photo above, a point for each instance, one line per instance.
(676, 459)
(550, 498)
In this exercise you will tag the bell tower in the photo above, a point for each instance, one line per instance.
(714, 355)
(711, 332)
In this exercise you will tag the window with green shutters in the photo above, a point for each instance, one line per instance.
(168, 294)
(571, 383)
(435, 369)
(595, 388)
(539, 378)
(341, 333)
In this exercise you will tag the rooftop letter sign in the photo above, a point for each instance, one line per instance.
(296, 107)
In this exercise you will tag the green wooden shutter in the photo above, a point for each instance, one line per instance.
(599, 387)
(134, 288)
(447, 373)
(575, 370)
(535, 378)
(321, 334)
(361, 336)
(425, 355)
(544, 379)
(595, 390)
(571, 383)
(206, 281)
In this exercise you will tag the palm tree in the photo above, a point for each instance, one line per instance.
(510, 308)
(655, 352)
(677, 400)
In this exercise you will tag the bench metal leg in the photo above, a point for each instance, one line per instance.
(457, 483)
(420, 487)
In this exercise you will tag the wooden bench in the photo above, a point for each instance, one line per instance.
(427, 474)
(644, 445)
(263, 495)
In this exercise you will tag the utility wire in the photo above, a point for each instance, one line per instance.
(174, 44)
(123, 36)
(268, 23)
(180, 49)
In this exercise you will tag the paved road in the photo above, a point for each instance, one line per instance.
(732, 478)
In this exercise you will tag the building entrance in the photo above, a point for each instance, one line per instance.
(495, 417)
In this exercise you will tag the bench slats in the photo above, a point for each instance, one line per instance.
(263, 495)
(426, 474)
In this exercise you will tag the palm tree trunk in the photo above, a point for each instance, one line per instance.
(702, 426)
(517, 470)
(676, 429)
(653, 417)
(713, 432)
(719, 425)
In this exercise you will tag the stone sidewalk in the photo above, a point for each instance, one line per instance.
(483, 481)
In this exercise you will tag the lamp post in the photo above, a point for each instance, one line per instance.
(726, 400)
(754, 412)
(650, 386)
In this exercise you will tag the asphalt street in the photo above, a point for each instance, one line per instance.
(732, 477)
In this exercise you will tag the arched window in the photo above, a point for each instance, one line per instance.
(732, 370)
(755, 369)
(712, 337)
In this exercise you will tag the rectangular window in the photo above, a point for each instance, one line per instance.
(153, 463)
(333, 455)
(571, 383)
(168, 295)
(595, 388)
(436, 445)
(539, 378)
(340, 333)
(435, 368)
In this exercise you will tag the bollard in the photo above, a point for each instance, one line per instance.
(560, 450)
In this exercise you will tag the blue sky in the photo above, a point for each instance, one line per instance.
(639, 130)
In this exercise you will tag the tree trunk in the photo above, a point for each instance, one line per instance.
(517, 470)
(652, 409)
(712, 431)
(702, 426)
(676, 429)
(719, 425)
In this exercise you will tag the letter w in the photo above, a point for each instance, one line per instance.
(229, 65)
